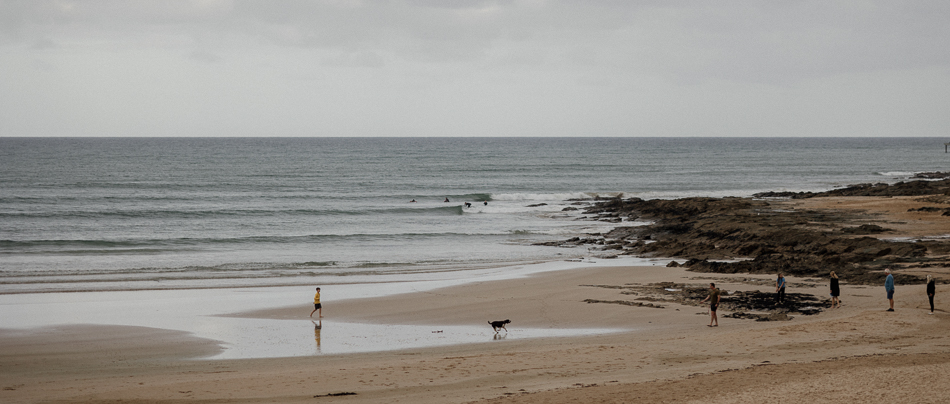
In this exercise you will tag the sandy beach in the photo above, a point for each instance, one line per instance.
(856, 353)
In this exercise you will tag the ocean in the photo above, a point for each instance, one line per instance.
(130, 214)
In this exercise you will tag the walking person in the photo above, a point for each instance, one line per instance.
(713, 305)
(889, 287)
(931, 290)
(780, 289)
(316, 304)
(835, 291)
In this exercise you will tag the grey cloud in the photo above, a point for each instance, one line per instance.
(808, 41)
(758, 41)
(116, 13)
(500, 66)
(357, 59)
(44, 43)
(204, 56)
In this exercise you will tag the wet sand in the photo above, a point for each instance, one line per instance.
(667, 354)
(857, 353)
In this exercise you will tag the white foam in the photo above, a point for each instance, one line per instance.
(565, 196)
(900, 174)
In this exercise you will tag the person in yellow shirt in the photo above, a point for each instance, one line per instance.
(316, 304)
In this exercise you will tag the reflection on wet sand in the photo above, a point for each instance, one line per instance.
(262, 338)
(317, 326)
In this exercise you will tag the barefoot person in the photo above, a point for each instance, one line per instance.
(713, 305)
(835, 290)
(889, 287)
(316, 304)
(931, 290)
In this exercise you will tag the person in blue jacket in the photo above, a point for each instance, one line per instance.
(780, 289)
(889, 287)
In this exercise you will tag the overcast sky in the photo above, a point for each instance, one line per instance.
(474, 68)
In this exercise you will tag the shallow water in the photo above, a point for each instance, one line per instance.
(257, 338)
(205, 314)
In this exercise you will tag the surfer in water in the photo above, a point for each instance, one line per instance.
(446, 199)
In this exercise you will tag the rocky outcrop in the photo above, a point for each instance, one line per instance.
(755, 305)
(750, 235)
(911, 188)
(936, 175)
(865, 229)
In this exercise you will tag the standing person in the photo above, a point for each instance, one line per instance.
(835, 291)
(780, 289)
(889, 287)
(931, 290)
(713, 305)
(316, 304)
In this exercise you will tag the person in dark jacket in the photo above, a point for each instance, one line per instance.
(835, 291)
(931, 290)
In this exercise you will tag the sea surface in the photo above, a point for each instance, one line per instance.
(127, 214)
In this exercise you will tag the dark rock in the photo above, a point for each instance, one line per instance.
(865, 229)
(625, 303)
(742, 304)
(911, 188)
(936, 175)
(926, 209)
(762, 301)
(345, 393)
(784, 195)
(709, 233)
(623, 232)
